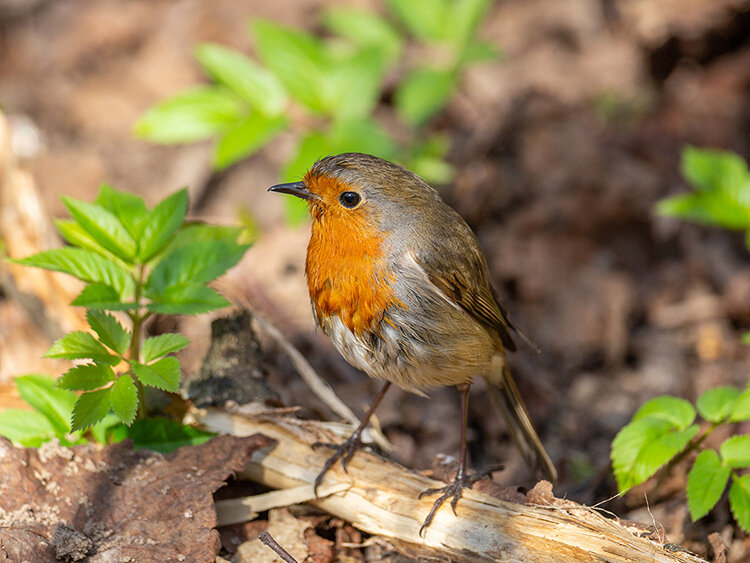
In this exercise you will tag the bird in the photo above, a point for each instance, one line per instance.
(399, 283)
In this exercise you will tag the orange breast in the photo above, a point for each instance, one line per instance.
(347, 272)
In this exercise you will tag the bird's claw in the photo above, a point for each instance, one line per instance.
(344, 452)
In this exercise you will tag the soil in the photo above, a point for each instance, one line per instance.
(562, 150)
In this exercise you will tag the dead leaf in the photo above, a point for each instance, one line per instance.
(113, 503)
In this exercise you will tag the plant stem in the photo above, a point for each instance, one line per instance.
(135, 343)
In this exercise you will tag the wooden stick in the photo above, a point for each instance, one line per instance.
(381, 499)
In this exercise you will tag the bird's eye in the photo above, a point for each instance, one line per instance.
(349, 199)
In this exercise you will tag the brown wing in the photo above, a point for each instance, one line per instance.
(455, 264)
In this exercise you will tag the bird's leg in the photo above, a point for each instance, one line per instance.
(462, 479)
(346, 450)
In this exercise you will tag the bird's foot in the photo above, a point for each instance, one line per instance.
(454, 489)
(343, 451)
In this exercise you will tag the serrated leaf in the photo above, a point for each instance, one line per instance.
(129, 208)
(103, 227)
(161, 435)
(55, 404)
(100, 296)
(90, 408)
(739, 501)
(716, 404)
(706, 483)
(741, 408)
(735, 451)
(262, 90)
(86, 377)
(111, 333)
(25, 427)
(158, 346)
(165, 219)
(85, 265)
(297, 58)
(423, 93)
(364, 27)
(194, 264)
(162, 374)
(123, 398)
(245, 138)
(77, 236)
(79, 345)
(645, 445)
(678, 412)
(187, 300)
(193, 232)
(190, 116)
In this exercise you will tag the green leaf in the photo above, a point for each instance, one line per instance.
(194, 232)
(56, 404)
(90, 408)
(361, 135)
(712, 170)
(111, 332)
(709, 208)
(425, 19)
(259, 87)
(352, 87)
(103, 227)
(100, 431)
(162, 374)
(735, 451)
(716, 404)
(161, 435)
(165, 219)
(25, 427)
(195, 264)
(81, 345)
(746, 335)
(424, 92)
(86, 377)
(298, 59)
(476, 51)
(364, 27)
(741, 409)
(77, 236)
(84, 265)
(100, 296)
(129, 208)
(190, 116)
(706, 482)
(739, 501)
(245, 138)
(678, 412)
(124, 399)
(158, 346)
(187, 300)
(465, 17)
(645, 445)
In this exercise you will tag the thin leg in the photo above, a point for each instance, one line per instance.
(346, 450)
(462, 480)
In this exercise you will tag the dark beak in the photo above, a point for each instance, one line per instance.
(295, 188)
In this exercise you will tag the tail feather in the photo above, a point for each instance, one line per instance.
(508, 400)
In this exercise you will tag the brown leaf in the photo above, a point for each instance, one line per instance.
(113, 503)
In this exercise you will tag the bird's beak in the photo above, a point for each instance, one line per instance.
(296, 189)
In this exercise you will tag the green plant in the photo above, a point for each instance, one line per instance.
(664, 430)
(335, 85)
(135, 262)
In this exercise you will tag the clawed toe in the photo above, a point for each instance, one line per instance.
(344, 452)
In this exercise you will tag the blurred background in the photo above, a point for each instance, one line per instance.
(554, 127)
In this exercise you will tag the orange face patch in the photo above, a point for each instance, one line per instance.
(347, 274)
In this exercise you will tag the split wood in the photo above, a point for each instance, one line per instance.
(382, 499)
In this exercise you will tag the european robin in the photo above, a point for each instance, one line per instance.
(399, 283)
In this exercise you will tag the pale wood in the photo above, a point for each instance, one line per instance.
(382, 499)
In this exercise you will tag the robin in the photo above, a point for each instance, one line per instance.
(398, 282)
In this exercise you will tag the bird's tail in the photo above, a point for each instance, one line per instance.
(508, 400)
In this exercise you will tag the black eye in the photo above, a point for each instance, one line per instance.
(349, 199)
